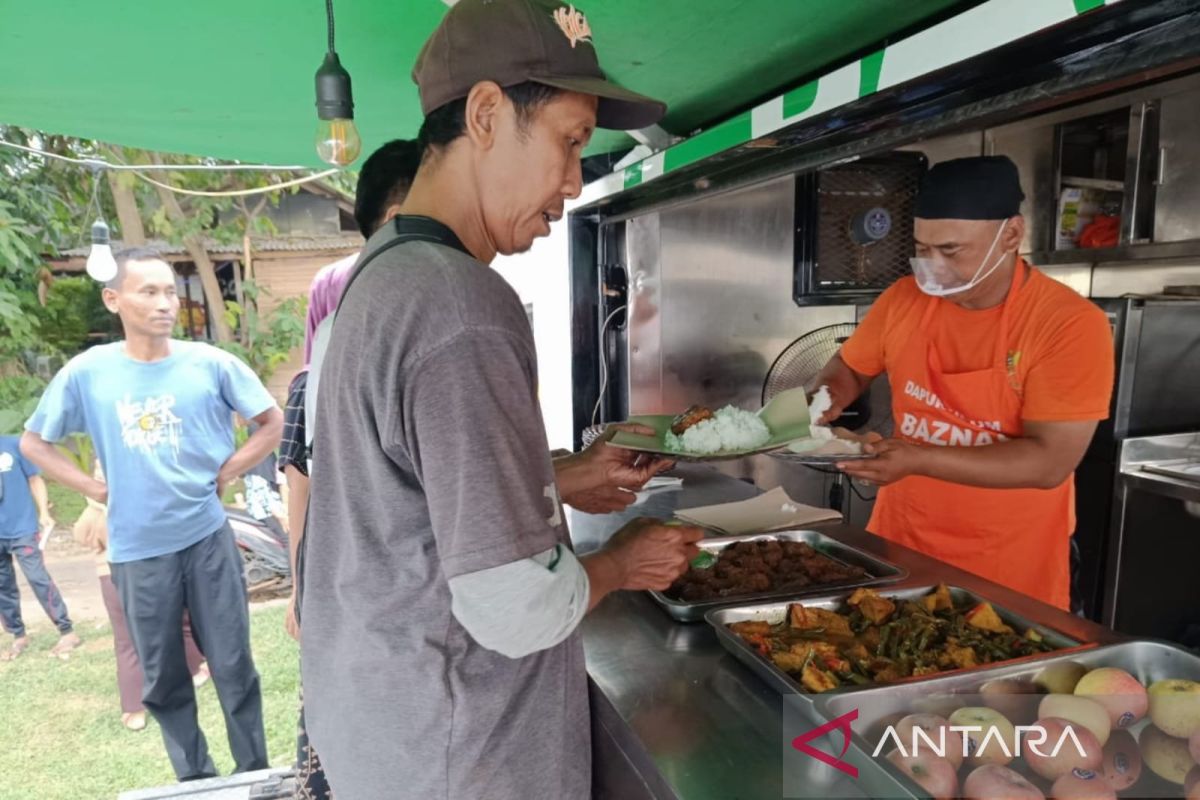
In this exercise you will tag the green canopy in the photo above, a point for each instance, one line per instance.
(233, 79)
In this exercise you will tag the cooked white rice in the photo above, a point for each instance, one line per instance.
(821, 403)
(826, 447)
(730, 429)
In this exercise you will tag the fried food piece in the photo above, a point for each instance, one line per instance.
(758, 582)
(789, 661)
(888, 675)
(820, 650)
(957, 656)
(939, 599)
(811, 619)
(751, 564)
(858, 652)
(751, 628)
(985, 618)
(817, 680)
(689, 418)
(873, 606)
(798, 550)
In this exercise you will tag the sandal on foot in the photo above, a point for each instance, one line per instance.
(18, 646)
(66, 643)
(202, 675)
(135, 721)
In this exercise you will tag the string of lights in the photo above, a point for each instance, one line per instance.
(101, 265)
(337, 142)
(237, 192)
(99, 163)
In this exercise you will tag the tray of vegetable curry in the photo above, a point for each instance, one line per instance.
(851, 641)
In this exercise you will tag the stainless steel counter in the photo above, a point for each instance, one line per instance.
(1167, 465)
(674, 715)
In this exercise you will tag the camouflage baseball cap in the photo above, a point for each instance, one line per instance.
(513, 41)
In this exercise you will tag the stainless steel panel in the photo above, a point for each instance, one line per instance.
(1031, 147)
(1143, 278)
(643, 247)
(879, 572)
(1150, 588)
(1177, 202)
(1140, 159)
(1078, 277)
(776, 612)
(727, 303)
(1142, 450)
(945, 148)
(1148, 661)
(715, 308)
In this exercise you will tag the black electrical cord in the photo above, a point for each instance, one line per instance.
(859, 494)
(329, 23)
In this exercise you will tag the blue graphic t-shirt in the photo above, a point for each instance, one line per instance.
(162, 431)
(18, 513)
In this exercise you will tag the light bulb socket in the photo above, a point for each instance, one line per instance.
(335, 100)
(100, 232)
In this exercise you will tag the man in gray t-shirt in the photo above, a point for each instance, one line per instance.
(440, 598)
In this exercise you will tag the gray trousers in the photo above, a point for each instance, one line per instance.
(27, 553)
(206, 580)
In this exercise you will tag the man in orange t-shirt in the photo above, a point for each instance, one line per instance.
(999, 376)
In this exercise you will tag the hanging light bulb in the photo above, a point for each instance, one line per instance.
(101, 265)
(337, 137)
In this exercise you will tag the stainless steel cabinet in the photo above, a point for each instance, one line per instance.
(1177, 195)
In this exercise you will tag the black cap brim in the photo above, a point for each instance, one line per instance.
(619, 109)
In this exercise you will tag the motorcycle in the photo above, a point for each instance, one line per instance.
(264, 548)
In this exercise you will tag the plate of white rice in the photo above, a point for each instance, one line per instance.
(826, 445)
(730, 432)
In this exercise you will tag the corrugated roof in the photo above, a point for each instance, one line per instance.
(272, 245)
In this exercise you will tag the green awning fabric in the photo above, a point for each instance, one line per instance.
(233, 79)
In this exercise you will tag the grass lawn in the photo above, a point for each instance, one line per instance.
(60, 722)
(65, 504)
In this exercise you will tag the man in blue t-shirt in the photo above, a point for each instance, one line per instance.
(160, 412)
(24, 513)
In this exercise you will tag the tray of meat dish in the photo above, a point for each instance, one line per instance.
(754, 568)
(849, 641)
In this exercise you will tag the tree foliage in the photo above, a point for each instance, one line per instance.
(267, 340)
(47, 206)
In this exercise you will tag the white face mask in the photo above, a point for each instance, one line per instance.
(935, 277)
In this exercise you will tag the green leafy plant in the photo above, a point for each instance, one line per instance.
(72, 314)
(80, 449)
(19, 394)
(265, 341)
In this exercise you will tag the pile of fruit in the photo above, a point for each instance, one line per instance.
(1103, 708)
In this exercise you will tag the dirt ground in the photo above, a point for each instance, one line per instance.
(74, 571)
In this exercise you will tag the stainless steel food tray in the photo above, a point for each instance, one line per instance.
(776, 611)
(1148, 661)
(880, 572)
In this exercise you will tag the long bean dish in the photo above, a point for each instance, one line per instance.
(874, 639)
